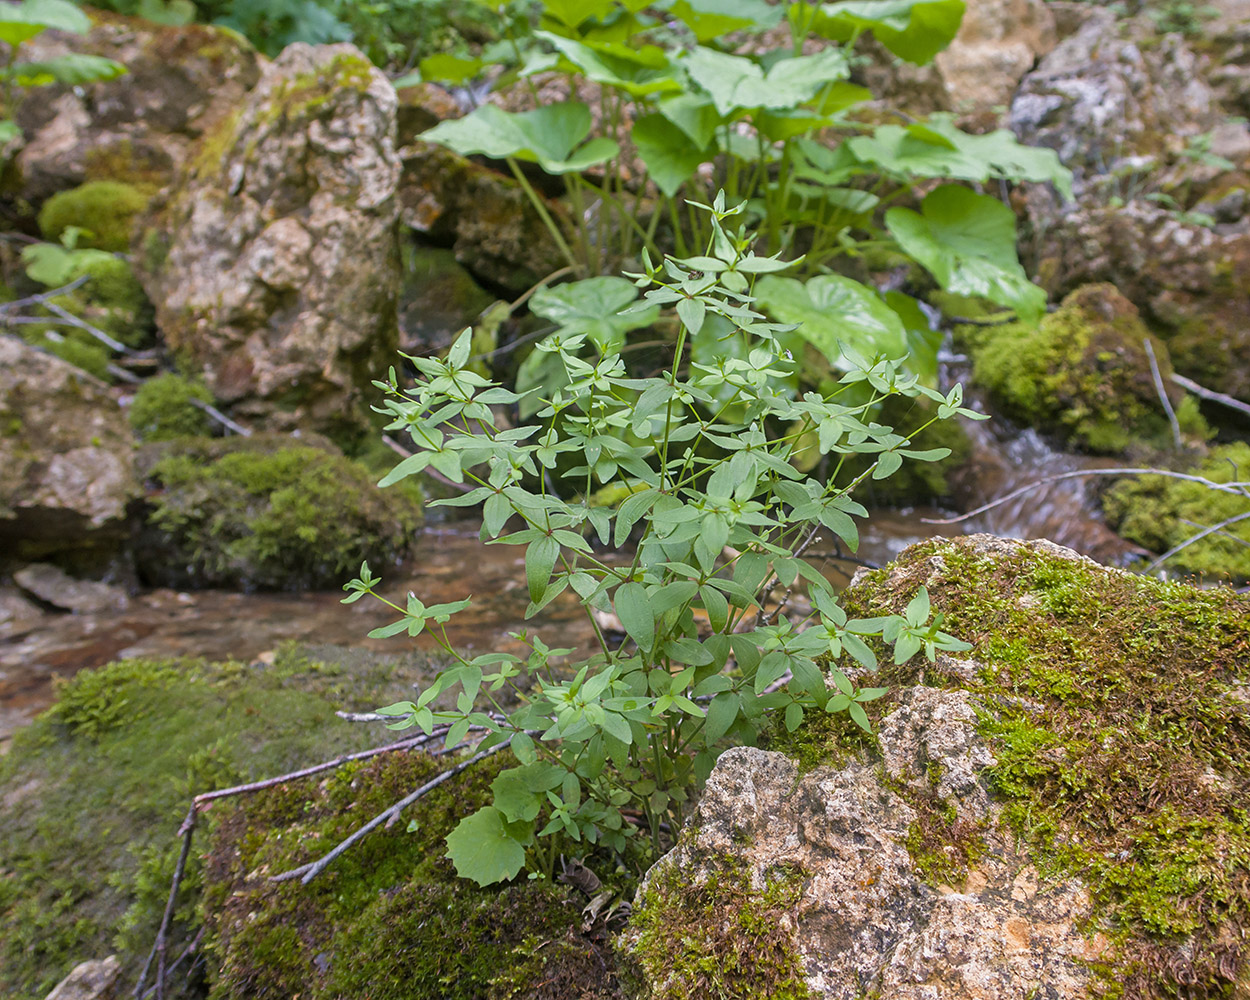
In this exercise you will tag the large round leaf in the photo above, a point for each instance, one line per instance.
(914, 30)
(546, 136)
(670, 157)
(481, 848)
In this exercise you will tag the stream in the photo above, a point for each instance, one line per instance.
(38, 643)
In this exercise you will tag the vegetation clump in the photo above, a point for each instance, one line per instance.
(105, 211)
(1083, 376)
(1162, 513)
(723, 938)
(92, 792)
(266, 512)
(1116, 708)
(163, 409)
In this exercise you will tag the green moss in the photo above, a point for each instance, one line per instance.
(162, 409)
(106, 210)
(1161, 513)
(723, 938)
(91, 793)
(76, 348)
(263, 512)
(1117, 711)
(824, 739)
(1083, 375)
(942, 845)
(389, 919)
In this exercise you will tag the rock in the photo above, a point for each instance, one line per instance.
(438, 299)
(486, 217)
(1084, 375)
(54, 586)
(997, 839)
(274, 261)
(66, 471)
(1190, 281)
(181, 81)
(1104, 101)
(92, 980)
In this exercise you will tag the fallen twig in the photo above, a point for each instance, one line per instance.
(69, 318)
(1211, 394)
(162, 933)
(34, 300)
(221, 418)
(306, 873)
(1163, 394)
(1197, 538)
(1238, 488)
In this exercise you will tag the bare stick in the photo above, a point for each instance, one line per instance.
(82, 324)
(1211, 394)
(1196, 538)
(306, 873)
(162, 934)
(186, 953)
(1238, 488)
(221, 418)
(34, 300)
(1163, 394)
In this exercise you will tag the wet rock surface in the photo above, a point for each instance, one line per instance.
(54, 586)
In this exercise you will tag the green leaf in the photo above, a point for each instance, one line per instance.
(669, 154)
(717, 607)
(695, 115)
(967, 241)
(639, 72)
(736, 82)
(914, 30)
(633, 608)
(917, 612)
(519, 791)
(710, 19)
(446, 68)
(857, 713)
(73, 69)
(482, 849)
(592, 307)
(23, 21)
(546, 136)
(540, 559)
(722, 713)
(831, 309)
(794, 716)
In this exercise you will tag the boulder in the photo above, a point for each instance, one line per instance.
(1045, 816)
(181, 82)
(274, 261)
(91, 980)
(54, 586)
(1191, 281)
(66, 471)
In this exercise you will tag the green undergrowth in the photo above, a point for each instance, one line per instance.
(723, 938)
(1118, 708)
(266, 512)
(1161, 513)
(104, 210)
(389, 919)
(163, 409)
(91, 794)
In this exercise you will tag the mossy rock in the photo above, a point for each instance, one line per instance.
(266, 512)
(1161, 513)
(91, 794)
(163, 409)
(105, 210)
(389, 918)
(1117, 709)
(1083, 376)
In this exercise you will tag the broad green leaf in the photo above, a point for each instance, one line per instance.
(695, 115)
(573, 12)
(633, 608)
(671, 158)
(709, 19)
(519, 791)
(481, 848)
(547, 136)
(446, 68)
(735, 82)
(914, 30)
(967, 241)
(831, 309)
(23, 21)
(638, 72)
(72, 69)
(722, 713)
(592, 306)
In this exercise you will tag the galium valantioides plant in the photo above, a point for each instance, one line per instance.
(717, 513)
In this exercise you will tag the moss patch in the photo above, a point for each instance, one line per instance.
(1121, 724)
(389, 919)
(264, 512)
(724, 938)
(91, 794)
(1160, 513)
(105, 210)
(1084, 375)
(163, 409)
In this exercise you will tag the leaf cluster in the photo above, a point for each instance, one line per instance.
(715, 514)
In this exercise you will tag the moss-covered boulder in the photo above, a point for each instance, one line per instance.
(1060, 811)
(92, 793)
(389, 919)
(164, 408)
(1084, 376)
(267, 512)
(104, 210)
(274, 261)
(1162, 513)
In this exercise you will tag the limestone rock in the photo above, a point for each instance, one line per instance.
(92, 980)
(66, 473)
(1190, 281)
(274, 262)
(56, 587)
(486, 217)
(181, 81)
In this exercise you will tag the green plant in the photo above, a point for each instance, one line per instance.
(704, 457)
(20, 23)
(164, 408)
